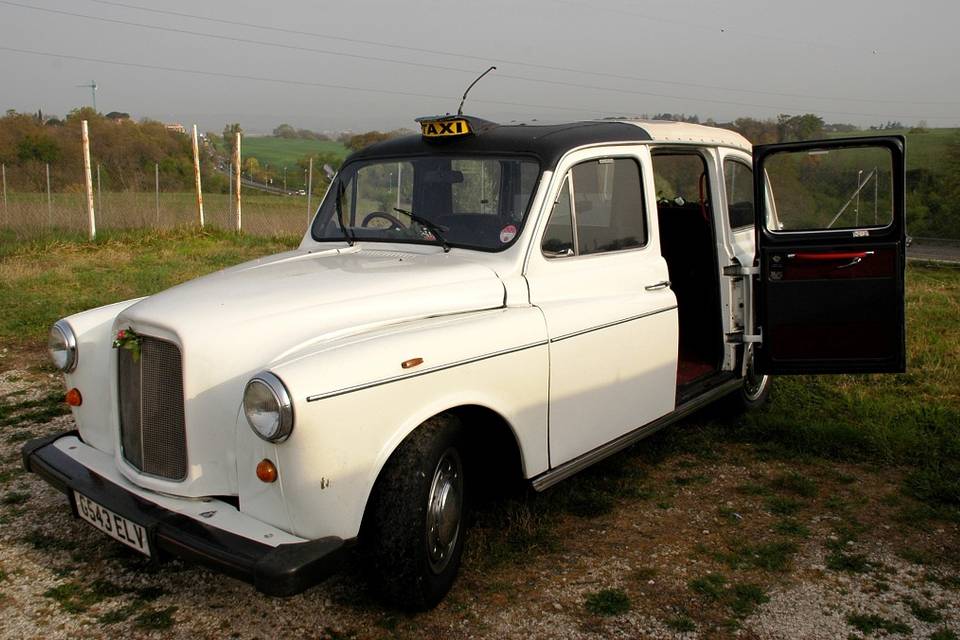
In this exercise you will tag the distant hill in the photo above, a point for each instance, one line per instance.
(280, 152)
(926, 150)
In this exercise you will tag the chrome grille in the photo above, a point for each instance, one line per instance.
(152, 425)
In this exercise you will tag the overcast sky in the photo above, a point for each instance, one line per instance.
(860, 61)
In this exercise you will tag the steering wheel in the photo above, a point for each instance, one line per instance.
(383, 215)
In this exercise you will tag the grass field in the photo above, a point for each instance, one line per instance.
(910, 419)
(28, 215)
(280, 152)
(924, 150)
(846, 483)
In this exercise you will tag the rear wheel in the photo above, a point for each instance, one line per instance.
(754, 392)
(415, 536)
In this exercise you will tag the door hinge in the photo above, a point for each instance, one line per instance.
(739, 270)
(738, 337)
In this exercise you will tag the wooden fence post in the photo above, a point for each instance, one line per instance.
(88, 180)
(236, 166)
(196, 176)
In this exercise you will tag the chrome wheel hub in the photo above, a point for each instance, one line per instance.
(444, 506)
(753, 384)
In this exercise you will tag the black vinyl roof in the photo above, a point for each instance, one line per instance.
(546, 142)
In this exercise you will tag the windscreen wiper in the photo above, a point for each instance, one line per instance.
(436, 229)
(348, 233)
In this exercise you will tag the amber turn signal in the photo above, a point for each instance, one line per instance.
(266, 471)
(73, 397)
(412, 362)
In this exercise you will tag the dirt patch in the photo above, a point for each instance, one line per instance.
(719, 543)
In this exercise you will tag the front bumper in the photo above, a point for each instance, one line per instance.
(284, 565)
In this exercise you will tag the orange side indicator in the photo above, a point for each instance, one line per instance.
(412, 362)
(73, 397)
(266, 471)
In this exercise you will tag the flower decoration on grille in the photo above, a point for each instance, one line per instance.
(129, 340)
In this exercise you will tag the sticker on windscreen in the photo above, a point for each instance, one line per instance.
(508, 233)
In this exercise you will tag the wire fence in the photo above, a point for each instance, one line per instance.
(41, 199)
(31, 213)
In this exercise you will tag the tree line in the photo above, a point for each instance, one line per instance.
(127, 152)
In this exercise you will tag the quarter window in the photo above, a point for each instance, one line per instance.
(738, 180)
(599, 209)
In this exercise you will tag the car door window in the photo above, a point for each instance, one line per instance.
(599, 209)
(831, 188)
(738, 180)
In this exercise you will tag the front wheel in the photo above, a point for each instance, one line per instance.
(415, 537)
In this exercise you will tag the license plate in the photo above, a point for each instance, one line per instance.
(112, 524)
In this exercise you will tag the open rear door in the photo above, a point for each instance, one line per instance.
(831, 251)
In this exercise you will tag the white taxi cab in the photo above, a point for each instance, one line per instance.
(477, 303)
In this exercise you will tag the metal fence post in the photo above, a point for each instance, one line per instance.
(49, 201)
(156, 190)
(309, 189)
(91, 218)
(3, 170)
(236, 165)
(99, 192)
(196, 176)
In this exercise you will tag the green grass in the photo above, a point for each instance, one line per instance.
(769, 556)
(280, 152)
(924, 150)
(871, 623)
(681, 623)
(27, 412)
(45, 279)
(607, 602)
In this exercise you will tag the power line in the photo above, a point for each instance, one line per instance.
(488, 59)
(446, 68)
(302, 83)
(322, 85)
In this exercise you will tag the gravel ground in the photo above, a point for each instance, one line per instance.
(59, 578)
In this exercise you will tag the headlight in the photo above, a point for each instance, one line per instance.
(62, 345)
(268, 408)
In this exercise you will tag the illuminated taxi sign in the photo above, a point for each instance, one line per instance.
(444, 128)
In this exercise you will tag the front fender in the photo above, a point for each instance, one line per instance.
(354, 403)
(97, 417)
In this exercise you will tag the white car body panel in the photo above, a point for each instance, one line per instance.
(570, 353)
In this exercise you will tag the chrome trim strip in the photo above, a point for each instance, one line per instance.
(377, 383)
(443, 367)
(571, 467)
(580, 332)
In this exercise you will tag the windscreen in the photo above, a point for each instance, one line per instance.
(477, 202)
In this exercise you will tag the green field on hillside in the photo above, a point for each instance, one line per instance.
(280, 152)
(925, 150)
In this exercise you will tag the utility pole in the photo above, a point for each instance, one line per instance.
(3, 170)
(91, 217)
(284, 179)
(93, 90)
(236, 165)
(309, 189)
(49, 201)
(196, 176)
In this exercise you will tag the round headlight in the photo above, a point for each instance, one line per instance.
(62, 345)
(268, 408)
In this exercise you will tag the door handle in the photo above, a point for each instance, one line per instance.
(663, 284)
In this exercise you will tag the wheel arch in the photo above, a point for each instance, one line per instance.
(485, 431)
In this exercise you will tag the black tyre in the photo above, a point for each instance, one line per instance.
(752, 394)
(415, 531)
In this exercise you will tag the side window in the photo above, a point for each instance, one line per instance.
(738, 180)
(607, 212)
(608, 205)
(558, 238)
